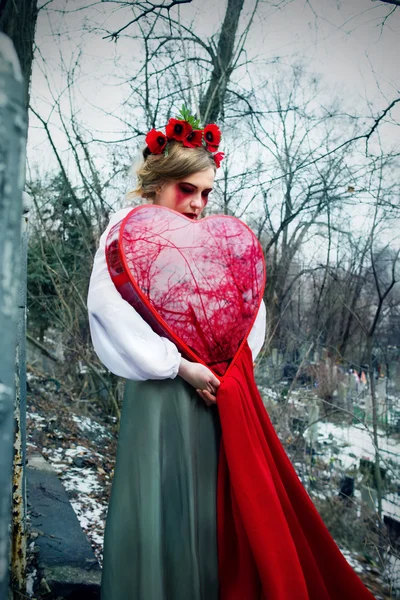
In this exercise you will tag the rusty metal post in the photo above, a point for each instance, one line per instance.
(12, 177)
(18, 529)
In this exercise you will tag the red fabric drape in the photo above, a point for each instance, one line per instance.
(272, 543)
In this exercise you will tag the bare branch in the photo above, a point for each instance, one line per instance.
(146, 11)
(393, 2)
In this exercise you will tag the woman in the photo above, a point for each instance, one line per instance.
(161, 531)
(160, 539)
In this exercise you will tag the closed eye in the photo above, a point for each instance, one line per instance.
(188, 189)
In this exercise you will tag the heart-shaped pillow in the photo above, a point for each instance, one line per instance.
(198, 283)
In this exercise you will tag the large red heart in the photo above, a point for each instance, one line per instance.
(198, 283)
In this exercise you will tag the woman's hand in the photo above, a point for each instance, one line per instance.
(201, 378)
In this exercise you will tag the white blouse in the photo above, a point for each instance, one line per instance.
(122, 340)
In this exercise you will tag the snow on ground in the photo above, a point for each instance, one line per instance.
(91, 515)
(87, 424)
(84, 487)
(30, 581)
(35, 417)
(81, 468)
(391, 505)
(353, 562)
(267, 392)
(392, 572)
(356, 441)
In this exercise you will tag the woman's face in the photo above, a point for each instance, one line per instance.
(188, 196)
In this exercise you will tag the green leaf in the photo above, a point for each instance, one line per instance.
(185, 115)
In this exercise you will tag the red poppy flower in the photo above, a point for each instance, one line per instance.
(178, 130)
(156, 141)
(218, 158)
(194, 139)
(212, 136)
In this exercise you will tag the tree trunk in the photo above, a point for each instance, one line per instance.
(377, 468)
(211, 105)
(18, 21)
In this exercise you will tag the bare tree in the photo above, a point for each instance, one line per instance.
(18, 21)
(303, 185)
(170, 44)
(212, 102)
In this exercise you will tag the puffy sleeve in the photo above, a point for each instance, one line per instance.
(257, 334)
(122, 340)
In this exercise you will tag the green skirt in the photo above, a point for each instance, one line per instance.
(160, 540)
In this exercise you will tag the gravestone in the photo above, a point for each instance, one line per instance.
(369, 497)
(347, 487)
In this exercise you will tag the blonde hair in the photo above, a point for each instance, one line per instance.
(180, 162)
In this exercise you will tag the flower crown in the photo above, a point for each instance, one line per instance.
(186, 129)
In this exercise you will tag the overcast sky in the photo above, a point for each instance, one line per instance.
(340, 39)
(344, 41)
(347, 42)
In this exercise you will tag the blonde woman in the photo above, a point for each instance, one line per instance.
(160, 538)
(162, 526)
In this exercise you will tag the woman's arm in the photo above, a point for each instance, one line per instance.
(122, 340)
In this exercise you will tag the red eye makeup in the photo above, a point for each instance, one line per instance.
(185, 190)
